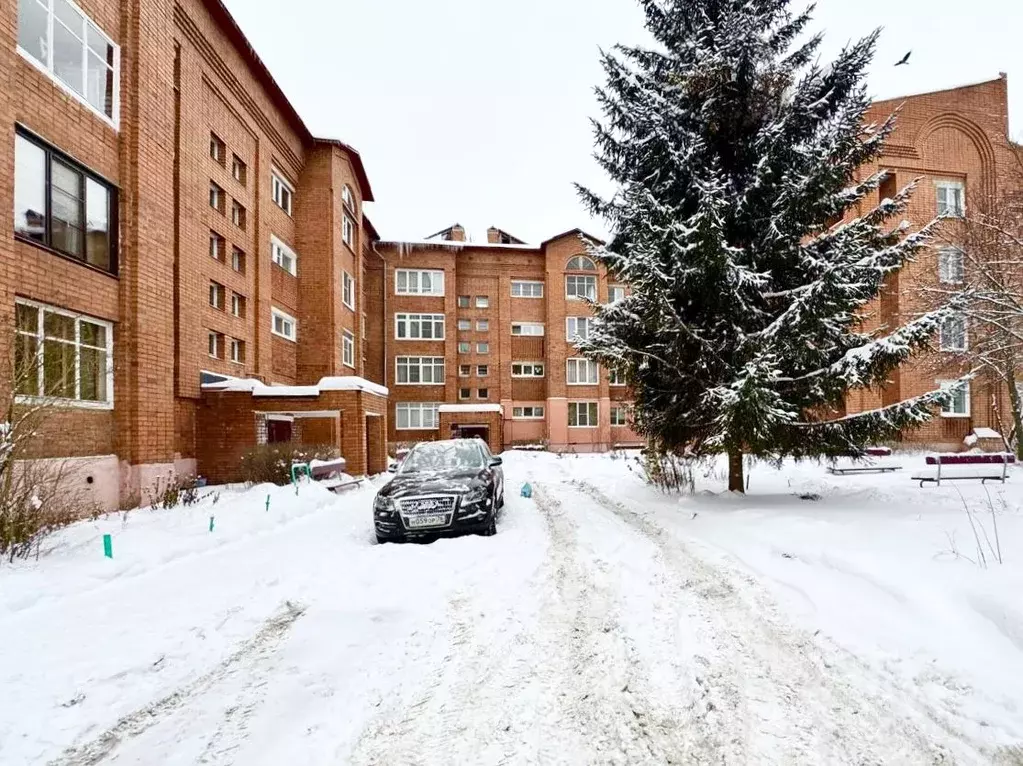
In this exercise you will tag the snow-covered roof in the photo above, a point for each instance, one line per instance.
(471, 408)
(258, 388)
(407, 244)
(986, 433)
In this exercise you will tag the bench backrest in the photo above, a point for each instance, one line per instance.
(996, 458)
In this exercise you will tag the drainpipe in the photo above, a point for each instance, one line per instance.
(384, 318)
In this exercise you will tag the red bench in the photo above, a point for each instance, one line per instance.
(959, 466)
(867, 466)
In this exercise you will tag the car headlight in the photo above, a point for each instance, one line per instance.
(383, 504)
(474, 495)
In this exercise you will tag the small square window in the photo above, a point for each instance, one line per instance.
(959, 405)
(464, 301)
(464, 370)
(483, 393)
(482, 302)
(465, 393)
(482, 348)
(482, 370)
(218, 151)
(483, 325)
(464, 325)
(464, 348)
(239, 170)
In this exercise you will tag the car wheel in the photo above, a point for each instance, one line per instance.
(381, 540)
(491, 528)
(500, 500)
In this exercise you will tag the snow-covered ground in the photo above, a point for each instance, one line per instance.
(605, 623)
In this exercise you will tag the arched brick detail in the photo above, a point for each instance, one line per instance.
(974, 133)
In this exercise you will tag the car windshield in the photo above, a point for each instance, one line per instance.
(443, 456)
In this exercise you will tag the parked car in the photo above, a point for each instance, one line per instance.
(441, 488)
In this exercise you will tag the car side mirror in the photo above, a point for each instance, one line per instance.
(392, 468)
(495, 461)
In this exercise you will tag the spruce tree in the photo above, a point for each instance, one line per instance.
(751, 244)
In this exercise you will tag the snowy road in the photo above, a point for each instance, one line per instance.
(585, 632)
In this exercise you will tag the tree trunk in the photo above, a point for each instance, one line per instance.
(1016, 404)
(735, 479)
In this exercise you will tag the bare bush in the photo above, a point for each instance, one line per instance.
(177, 490)
(668, 471)
(271, 463)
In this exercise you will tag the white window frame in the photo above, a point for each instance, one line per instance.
(464, 301)
(348, 290)
(237, 300)
(236, 347)
(483, 393)
(277, 183)
(943, 341)
(612, 289)
(348, 231)
(482, 370)
(533, 287)
(537, 412)
(946, 185)
(239, 169)
(532, 326)
(436, 282)
(217, 295)
(238, 214)
(465, 370)
(406, 319)
(217, 245)
(276, 313)
(237, 257)
(588, 404)
(572, 328)
(580, 263)
(347, 198)
(435, 364)
(216, 197)
(464, 325)
(576, 366)
(947, 258)
(531, 367)
(114, 120)
(423, 408)
(623, 411)
(482, 325)
(464, 393)
(278, 251)
(348, 349)
(464, 348)
(945, 413)
(213, 344)
(482, 301)
(218, 149)
(573, 282)
(483, 347)
(40, 336)
(616, 378)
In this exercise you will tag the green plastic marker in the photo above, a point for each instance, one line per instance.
(268, 503)
(108, 546)
(211, 523)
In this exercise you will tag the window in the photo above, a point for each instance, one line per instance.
(237, 351)
(416, 415)
(281, 191)
(582, 414)
(420, 282)
(527, 413)
(348, 349)
(239, 170)
(238, 214)
(482, 393)
(483, 325)
(217, 149)
(464, 348)
(284, 325)
(216, 343)
(464, 370)
(482, 370)
(951, 265)
(526, 289)
(615, 293)
(217, 295)
(283, 256)
(464, 301)
(348, 290)
(534, 329)
(238, 260)
(60, 205)
(580, 263)
(420, 370)
(216, 197)
(959, 405)
(238, 305)
(482, 348)
(952, 336)
(62, 355)
(65, 43)
(347, 198)
(577, 327)
(950, 198)
(419, 326)
(580, 286)
(482, 302)
(464, 325)
(464, 393)
(616, 378)
(619, 416)
(348, 231)
(582, 372)
(217, 246)
(527, 369)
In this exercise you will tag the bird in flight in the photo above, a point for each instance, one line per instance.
(905, 59)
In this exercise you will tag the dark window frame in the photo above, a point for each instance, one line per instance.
(51, 152)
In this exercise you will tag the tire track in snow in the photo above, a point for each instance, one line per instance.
(246, 657)
(794, 709)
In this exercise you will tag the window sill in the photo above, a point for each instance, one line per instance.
(955, 416)
(587, 428)
(419, 384)
(68, 404)
(284, 337)
(421, 340)
(348, 306)
(583, 384)
(111, 122)
(65, 256)
(424, 428)
(349, 366)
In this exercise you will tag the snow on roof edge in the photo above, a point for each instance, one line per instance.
(258, 388)
(471, 408)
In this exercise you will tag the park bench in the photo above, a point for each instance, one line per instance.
(958, 466)
(868, 466)
(327, 473)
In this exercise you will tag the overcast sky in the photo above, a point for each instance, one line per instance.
(476, 111)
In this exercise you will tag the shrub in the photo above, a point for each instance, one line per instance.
(668, 471)
(271, 463)
(177, 490)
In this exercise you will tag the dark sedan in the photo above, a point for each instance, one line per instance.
(441, 488)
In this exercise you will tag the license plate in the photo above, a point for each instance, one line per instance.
(416, 522)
